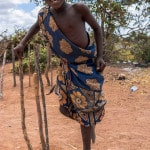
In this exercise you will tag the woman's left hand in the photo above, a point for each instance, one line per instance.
(100, 64)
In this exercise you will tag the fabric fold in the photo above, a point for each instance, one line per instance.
(79, 85)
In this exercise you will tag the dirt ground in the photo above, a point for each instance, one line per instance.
(126, 125)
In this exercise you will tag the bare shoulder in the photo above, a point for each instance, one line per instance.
(86, 14)
(81, 8)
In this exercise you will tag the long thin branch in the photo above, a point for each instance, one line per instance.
(13, 62)
(40, 121)
(23, 115)
(29, 65)
(42, 94)
(48, 65)
(2, 74)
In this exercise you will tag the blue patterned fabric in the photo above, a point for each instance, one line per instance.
(79, 85)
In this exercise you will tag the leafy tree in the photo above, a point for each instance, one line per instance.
(141, 46)
(116, 18)
(139, 30)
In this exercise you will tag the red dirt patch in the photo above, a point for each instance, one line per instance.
(126, 125)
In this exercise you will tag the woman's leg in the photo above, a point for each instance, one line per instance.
(88, 133)
(93, 135)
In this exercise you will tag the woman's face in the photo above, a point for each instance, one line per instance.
(56, 4)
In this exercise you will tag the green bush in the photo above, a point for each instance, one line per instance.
(42, 61)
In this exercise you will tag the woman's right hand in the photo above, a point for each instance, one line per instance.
(18, 50)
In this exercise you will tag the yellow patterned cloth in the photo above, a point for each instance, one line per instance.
(79, 85)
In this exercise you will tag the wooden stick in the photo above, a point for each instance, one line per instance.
(13, 62)
(37, 63)
(40, 122)
(51, 67)
(2, 74)
(23, 114)
(29, 68)
(47, 65)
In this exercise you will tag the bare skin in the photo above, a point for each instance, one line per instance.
(71, 20)
(88, 133)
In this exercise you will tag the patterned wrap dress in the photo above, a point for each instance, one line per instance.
(79, 85)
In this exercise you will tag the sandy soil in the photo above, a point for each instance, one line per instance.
(126, 125)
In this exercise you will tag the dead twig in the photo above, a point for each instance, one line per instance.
(29, 67)
(48, 65)
(2, 74)
(37, 64)
(23, 115)
(13, 62)
(40, 122)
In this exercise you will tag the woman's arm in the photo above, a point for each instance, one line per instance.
(89, 18)
(32, 31)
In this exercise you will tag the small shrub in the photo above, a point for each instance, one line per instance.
(42, 60)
